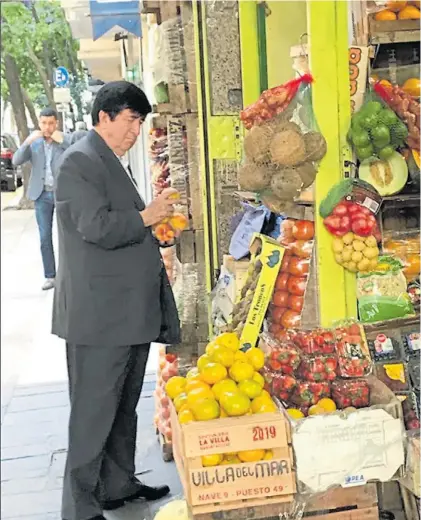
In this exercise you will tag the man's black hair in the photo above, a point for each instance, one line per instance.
(116, 96)
(48, 112)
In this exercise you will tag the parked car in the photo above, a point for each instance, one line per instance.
(11, 176)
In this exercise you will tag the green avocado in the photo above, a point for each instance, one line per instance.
(372, 107)
(387, 117)
(380, 133)
(364, 152)
(369, 121)
(360, 138)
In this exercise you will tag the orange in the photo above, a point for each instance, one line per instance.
(396, 6)
(268, 455)
(180, 401)
(240, 356)
(185, 417)
(256, 358)
(259, 379)
(223, 355)
(175, 386)
(213, 373)
(223, 387)
(179, 222)
(192, 384)
(250, 387)
(262, 404)
(295, 414)
(210, 347)
(409, 13)
(316, 410)
(212, 460)
(229, 340)
(206, 410)
(203, 361)
(384, 16)
(192, 373)
(412, 86)
(241, 371)
(251, 455)
(235, 404)
(327, 404)
(198, 394)
(230, 460)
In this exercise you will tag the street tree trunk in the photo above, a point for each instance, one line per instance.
(31, 109)
(43, 76)
(11, 74)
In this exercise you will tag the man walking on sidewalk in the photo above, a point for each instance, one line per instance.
(43, 148)
(112, 299)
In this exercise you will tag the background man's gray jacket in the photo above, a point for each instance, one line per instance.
(110, 269)
(35, 153)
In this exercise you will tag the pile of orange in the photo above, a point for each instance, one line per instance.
(401, 10)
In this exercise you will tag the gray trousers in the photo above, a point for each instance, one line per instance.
(105, 385)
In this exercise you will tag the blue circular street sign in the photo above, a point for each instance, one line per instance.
(61, 77)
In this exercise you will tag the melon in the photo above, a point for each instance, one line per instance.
(388, 177)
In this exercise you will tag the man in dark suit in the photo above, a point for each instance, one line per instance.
(108, 303)
(44, 148)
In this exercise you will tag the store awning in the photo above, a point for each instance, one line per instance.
(106, 14)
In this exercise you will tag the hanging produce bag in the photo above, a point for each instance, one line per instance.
(283, 145)
(251, 223)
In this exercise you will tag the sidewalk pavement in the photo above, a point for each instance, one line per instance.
(34, 399)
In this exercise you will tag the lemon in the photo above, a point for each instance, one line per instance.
(250, 387)
(241, 371)
(210, 347)
(316, 410)
(203, 361)
(223, 355)
(198, 394)
(211, 460)
(222, 387)
(212, 373)
(294, 413)
(229, 340)
(266, 395)
(256, 358)
(205, 410)
(327, 404)
(223, 413)
(193, 373)
(267, 407)
(268, 455)
(262, 404)
(240, 356)
(184, 407)
(175, 386)
(251, 455)
(259, 379)
(192, 384)
(230, 460)
(185, 416)
(180, 401)
(235, 404)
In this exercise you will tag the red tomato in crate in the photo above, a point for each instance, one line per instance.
(282, 282)
(303, 230)
(302, 248)
(295, 303)
(297, 285)
(285, 263)
(290, 319)
(280, 298)
(274, 328)
(277, 314)
(298, 266)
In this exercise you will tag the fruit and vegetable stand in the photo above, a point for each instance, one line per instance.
(308, 392)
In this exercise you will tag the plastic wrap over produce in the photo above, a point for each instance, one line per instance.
(282, 146)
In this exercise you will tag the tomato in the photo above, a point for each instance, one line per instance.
(298, 266)
(277, 313)
(285, 263)
(297, 285)
(275, 328)
(290, 319)
(341, 210)
(303, 230)
(280, 299)
(281, 282)
(295, 303)
(302, 248)
(170, 358)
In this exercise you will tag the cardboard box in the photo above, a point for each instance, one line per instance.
(238, 269)
(351, 449)
(249, 312)
(226, 487)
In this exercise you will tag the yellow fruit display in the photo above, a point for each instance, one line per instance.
(230, 460)
(250, 388)
(210, 348)
(409, 12)
(223, 387)
(229, 340)
(295, 414)
(222, 413)
(213, 373)
(259, 379)
(262, 404)
(327, 404)
(316, 410)
(412, 86)
(355, 253)
(203, 361)
(223, 356)
(193, 373)
(192, 384)
(198, 394)
(256, 358)
(175, 386)
(205, 410)
(185, 416)
(235, 404)
(180, 401)
(212, 460)
(241, 371)
(240, 356)
(251, 455)
(385, 16)
(268, 455)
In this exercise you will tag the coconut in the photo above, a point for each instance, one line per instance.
(257, 142)
(287, 148)
(286, 183)
(273, 203)
(316, 146)
(254, 178)
(307, 172)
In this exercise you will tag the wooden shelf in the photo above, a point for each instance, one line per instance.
(398, 31)
(397, 323)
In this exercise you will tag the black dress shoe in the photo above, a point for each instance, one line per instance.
(145, 492)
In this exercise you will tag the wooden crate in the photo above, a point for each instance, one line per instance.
(224, 488)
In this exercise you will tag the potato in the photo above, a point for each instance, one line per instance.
(337, 245)
(371, 252)
(346, 255)
(338, 259)
(356, 256)
(348, 238)
(371, 241)
(358, 245)
(364, 265)
(352, 266)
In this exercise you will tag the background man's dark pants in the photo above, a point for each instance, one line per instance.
(44, 212)
(105, 385)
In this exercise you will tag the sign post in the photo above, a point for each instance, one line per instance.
(62, 92)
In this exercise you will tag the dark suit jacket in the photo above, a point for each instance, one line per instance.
(110, 268)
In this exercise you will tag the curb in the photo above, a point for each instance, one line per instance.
(14, 202)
